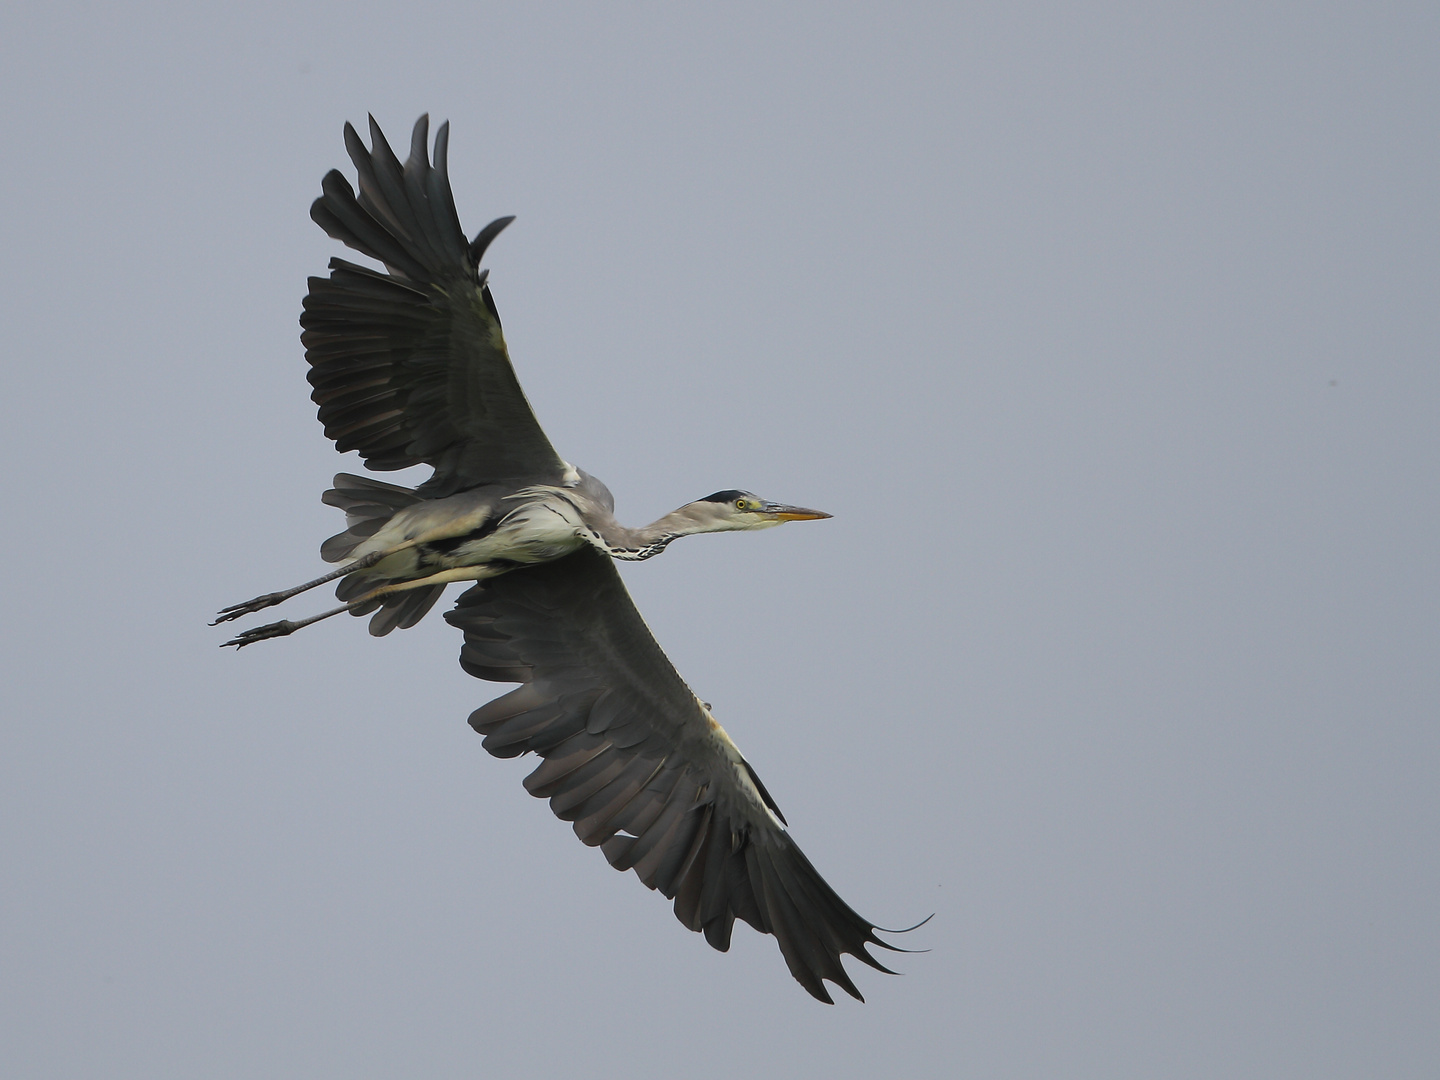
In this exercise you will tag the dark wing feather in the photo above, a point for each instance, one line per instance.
(638, 764)
(410, 366)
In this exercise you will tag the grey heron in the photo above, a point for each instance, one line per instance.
(409, 366)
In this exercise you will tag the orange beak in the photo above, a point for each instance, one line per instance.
(781, 512)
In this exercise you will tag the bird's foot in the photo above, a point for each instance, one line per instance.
(260, 603)
(263, 633)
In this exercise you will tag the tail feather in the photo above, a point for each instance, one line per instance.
(403, 610)
(368, 505)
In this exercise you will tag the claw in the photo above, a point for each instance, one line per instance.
(263, 633)
(249, 607)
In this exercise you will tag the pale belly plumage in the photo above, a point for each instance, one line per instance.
(467, 537)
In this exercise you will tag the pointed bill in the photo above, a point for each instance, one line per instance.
(781, 512)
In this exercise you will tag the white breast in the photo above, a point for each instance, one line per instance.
(545, 526)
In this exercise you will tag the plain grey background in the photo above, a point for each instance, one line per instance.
(1107, 332)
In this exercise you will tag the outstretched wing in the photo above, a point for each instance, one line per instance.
(410, 366)
(637, 762)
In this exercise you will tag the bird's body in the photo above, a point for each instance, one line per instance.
(479, 533)
(410, 366)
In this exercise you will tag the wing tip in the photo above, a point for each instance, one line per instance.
(486, 236)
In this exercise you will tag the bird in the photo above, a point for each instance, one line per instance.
(409, 367)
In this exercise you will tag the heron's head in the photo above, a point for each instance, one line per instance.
(726, 511)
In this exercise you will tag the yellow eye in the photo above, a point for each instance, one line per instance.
(739, 504)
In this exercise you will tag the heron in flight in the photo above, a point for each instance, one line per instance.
(409, 367)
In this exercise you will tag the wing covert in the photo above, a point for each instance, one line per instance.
(409, 366)
(637, 763)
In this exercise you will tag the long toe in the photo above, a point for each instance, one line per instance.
(262, 633)
(249, 607)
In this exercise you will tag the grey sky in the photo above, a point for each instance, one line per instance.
(1108, 334)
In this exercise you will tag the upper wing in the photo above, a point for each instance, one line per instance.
(641, 767)
(411, 366)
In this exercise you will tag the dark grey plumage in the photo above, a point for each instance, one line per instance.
(633, 758)
(410, 366)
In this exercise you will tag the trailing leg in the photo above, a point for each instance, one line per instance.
(358, 604)
(280, 629)
(260, 603)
